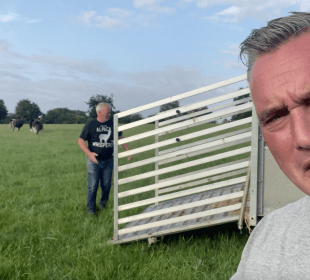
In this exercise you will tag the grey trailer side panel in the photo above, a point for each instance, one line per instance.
(278, 189)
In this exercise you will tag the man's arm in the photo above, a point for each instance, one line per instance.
(125, 147)
(84, 148)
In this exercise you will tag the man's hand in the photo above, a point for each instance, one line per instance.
(128, 158)
(92, 157)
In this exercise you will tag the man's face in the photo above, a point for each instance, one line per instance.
(104, 112)
(281, 81)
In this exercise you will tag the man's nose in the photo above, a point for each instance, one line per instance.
(300, 126)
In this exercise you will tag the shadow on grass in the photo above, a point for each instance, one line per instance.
(229, 230)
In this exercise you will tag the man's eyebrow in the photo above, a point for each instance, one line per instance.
(302, 98)
(266, 114)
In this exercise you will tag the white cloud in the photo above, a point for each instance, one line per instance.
(114, 17)
(233, 10)
(145, 19)
(153, 6)
(119, 13)
(34, 20)
(305, 6)
(238, 10)
(233, 49)
(231, 64)
(86, 17)
(8, 17)
(54, 81)
(4, 49)
(199, 3)
(108, 22)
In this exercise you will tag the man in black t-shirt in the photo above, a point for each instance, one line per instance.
(99, 134)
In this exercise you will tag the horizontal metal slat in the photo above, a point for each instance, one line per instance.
(183, 124)
(182, 96)
(183, 218)
(186, 137)
(165, 156)
(182, 193)
(183, 179)
(199, 182)
(181, 207)
(206, 120)
(185, 165)
(205, 170)
(202, 112)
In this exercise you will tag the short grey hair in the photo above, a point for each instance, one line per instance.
(268, 39)
(102, 104)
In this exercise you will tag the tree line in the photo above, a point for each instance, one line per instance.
(30, 111)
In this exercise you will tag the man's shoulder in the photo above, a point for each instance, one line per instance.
(279, 232)
(91, 123)
(301, 205)
(110, 121)
(282, 218)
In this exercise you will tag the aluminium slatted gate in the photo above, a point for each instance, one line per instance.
(191, 200)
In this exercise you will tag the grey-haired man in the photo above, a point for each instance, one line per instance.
(279, 78)
(99, 134)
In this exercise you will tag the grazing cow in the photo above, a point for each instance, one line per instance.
(17, 123)
(37, 125)
(11, 125)
(30, 124)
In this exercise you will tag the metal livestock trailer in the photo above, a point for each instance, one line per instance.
(147, 206)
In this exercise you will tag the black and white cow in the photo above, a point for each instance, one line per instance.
(16, 123)
(30, 124)
(11, 125)
(37, 125)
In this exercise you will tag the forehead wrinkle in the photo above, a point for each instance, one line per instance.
(299, 98)
(281, 73)
(269, 66)
(281, 78)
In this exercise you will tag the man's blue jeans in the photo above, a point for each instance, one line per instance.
(98, 172)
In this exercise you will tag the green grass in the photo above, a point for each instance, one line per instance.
(45, 232)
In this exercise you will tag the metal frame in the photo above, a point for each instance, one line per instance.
(254, 168)
(115, 147)
(260, 172)
(174, 185)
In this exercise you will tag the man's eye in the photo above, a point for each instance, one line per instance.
(275, 118)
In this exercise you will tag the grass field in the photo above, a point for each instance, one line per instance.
(45, 232)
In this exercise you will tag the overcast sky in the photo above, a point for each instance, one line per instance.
(60, 53)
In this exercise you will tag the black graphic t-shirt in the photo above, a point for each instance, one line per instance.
(100, 138)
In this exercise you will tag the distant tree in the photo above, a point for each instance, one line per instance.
(199, 109)
(80, 116)
(65, 116)
(95, 100)
(204, 108)
(169, 106)
(27, 109)
(136, 117)
(242, 115)
(3, 110)
(51, 116)
(131, 118)
(152, 115)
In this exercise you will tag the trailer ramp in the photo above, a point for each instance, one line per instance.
(217, 210)
(212, 194)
